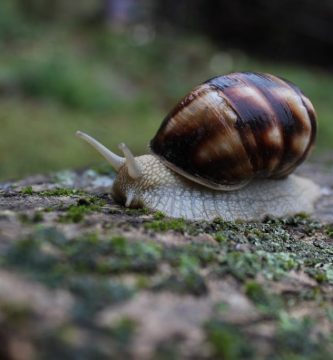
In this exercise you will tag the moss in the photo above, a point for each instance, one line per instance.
(186, 278)
(37, 217)
(246, 249)
(270, 247)
(268, 304)
(242, 266)
(123, 331)
(76, 213)
(123, 256)
(72, 266)
(28, 255)
(168, 350)
(34, 218)
(94, 294)
(227, 341)
(24, 218)
(27, 190)
(51, 236)
(16, 313)
(92, 269)
(178, 225)
(90, 255)
(322, 273)
(64, 343)
(290, 336)
(293, 340)
(53, 192)
(115, 255)
(248, 265)
(61, 192)
(193, 254)
(158, 215)
(329, 230)
(190, 283)
(187, 264)
(136, 212)
(220, 237)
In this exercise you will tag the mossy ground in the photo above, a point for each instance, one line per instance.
(81, 277)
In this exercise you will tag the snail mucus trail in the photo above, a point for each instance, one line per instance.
(226, 150)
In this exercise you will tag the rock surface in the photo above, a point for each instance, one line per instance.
(81, 277)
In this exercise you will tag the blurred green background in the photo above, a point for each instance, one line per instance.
(115, 68)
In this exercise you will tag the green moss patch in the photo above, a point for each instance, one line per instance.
(28, 190)
(256, 260)
(228, 342)
(84, 206)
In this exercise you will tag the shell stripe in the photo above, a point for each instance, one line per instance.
(184, 103)
(222, 146)
(257, 116)
(312, 120)
(308, 121)
(305, 127)
(281, 116)
(245, 130)
(287, 112)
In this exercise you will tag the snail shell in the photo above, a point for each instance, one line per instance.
(234, 128)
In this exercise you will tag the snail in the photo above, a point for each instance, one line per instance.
(226, 150)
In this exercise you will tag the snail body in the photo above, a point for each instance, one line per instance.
(226, 150)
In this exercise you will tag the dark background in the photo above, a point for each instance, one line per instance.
(297, 30)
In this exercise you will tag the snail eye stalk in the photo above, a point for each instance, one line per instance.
(133, 167)
(116, 161)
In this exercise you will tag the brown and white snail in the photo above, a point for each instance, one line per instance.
(226, 150)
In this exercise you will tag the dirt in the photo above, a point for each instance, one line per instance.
(82, 277)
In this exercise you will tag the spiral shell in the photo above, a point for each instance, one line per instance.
(234, 128)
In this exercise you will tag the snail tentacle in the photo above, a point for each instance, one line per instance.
(133, 167)
(116, 161)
